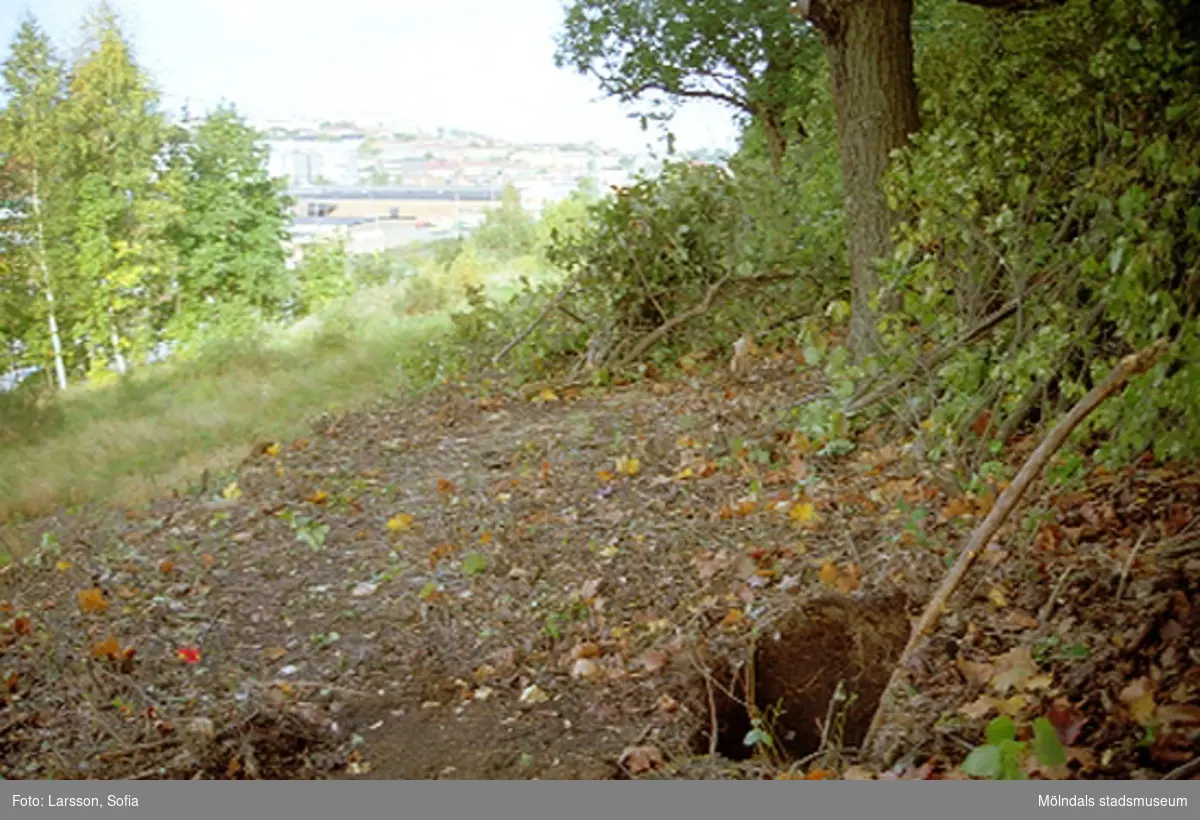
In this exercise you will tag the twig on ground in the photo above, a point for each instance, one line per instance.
(1048, 607)
(1129, 565)
(1128, 367)
(1185, 772)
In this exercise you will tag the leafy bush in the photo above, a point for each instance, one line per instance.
(1040, 182)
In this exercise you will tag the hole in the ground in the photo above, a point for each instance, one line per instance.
(798, 665)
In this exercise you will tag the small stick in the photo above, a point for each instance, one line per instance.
(1185, 772)
(1048, 607)
(1128, 367)
(1129, 565)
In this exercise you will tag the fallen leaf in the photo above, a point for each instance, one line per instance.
(654, 660)
(957, 508)
(803, 513)
(232, 492)
(585, 669)
(62, 566)
(188, 654)
(107, 648)
(166, 567)
(271, 450)
(732, 619)
(997, 597)
(22, 625)
(821, 774)
(533, 694)
(274, 653)
(628, 466)
(92, 601)
(828, 574)
(400, 522)
(585, 650)
(1138, 697)
(319, 497)
(640, 759)
(1013, 668)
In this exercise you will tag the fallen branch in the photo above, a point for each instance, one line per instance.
(1127, 368)
(550, 308)
(699, 309)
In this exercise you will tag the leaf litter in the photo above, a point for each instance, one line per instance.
(551, 588)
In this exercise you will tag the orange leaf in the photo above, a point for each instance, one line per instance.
(207, 560)
(828, 574)
(732, 618)
(957, 508)
(166, 567)
(107, 648)
(92, 601)
(821, 774)
(981, 423)
(22, 625)
(445, 486)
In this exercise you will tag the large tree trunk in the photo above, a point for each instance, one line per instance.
(869, 46)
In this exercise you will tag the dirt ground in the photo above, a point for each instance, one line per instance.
(473, 585)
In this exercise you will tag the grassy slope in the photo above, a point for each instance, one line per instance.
(165, 424)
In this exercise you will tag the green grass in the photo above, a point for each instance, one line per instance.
(162, 426)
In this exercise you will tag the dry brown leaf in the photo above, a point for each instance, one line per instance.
(1138, 697)
(641, 759)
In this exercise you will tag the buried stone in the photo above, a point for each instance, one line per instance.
(798, 667)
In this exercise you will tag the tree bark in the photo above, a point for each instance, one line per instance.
(60, 371)
(869, 47)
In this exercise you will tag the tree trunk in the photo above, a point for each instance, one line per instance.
(60, 371)
(869, 46)
(771, 122)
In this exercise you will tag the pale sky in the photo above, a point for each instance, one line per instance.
(482, 65)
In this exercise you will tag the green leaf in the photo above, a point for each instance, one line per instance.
(1046, 745)
(757, 737)
(474, 563)
(1000, 730)
(983, 761)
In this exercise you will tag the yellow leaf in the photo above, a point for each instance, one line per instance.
(319, 497)
(232, 492)
(62, 566)
(628, 466)
(272, 450)
(997, 597)
(605, 475)
(400, 523)
(803, 512)
(547, 395)
(828, 574)
(274, 653)
(92, 601)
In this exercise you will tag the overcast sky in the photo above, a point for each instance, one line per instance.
(484, 65)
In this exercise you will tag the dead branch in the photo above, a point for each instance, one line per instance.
(1128, 367)
(550, 308)
(699, 309)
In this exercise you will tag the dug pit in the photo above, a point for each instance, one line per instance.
(798, 664)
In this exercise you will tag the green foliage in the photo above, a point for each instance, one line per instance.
(749, 55)
(1003, 757)
(1059, 169)
(229, 245)
(653, 248)
(507, 231)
